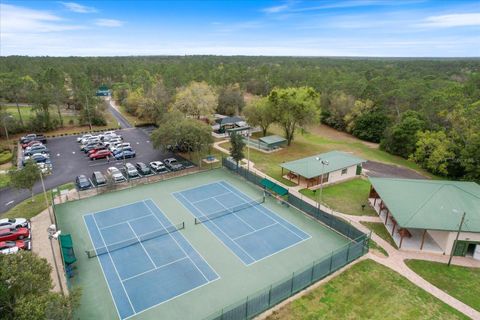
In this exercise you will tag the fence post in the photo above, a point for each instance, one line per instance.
(291, 287)
(348, 251)
(270, 296)
(246, 308)
(331, 260)
(313, 268)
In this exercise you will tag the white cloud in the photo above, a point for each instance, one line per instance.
(15, 19)
(276, 9)
(75, 7)
(452, 20)
(111, 23)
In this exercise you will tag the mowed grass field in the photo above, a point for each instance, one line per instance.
(346, 197)
(367, 290)
(381, 231)
(315, 142)
(460, 282)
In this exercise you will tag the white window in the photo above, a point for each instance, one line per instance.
(344, 171)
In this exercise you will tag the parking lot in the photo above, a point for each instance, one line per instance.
(69, 161)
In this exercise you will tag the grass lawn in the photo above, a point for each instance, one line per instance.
(381, 231)
(346, 197)
(460, 282)
(367, 290)
(28, 209)
(309, 144)
(4, 180)
(133, 120)
(374, 246)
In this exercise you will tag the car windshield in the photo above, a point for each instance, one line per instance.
(11, 220)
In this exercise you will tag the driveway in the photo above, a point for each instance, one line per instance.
(114, 111)
(382, 170)
(69, 162)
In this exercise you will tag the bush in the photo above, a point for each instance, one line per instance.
(5, 156)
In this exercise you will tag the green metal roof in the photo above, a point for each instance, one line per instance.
(310, 167)
(273, 139)
(431, 204)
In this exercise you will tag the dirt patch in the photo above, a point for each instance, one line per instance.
(382, 170)
(334, 134)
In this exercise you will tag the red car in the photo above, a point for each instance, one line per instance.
(29, 144)
(14, 234)
(101, 154)
(7, 247)
(96, 150)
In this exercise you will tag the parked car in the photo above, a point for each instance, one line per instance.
(115, 174)
(131, 171)
(37, 158)
(14, 234)
(95, 150)
(44, 167)
(98, 178)
(13, 223)
(173, 164)
(9, 247)
(113, 141)
(120, 146)
(89, 147)
(31, 143)
(92, 139)
(85, 136)
(158, 166)
(100, 154)
(82, 182)
(118, 150)
(143, 168)
(32, 136)
(36, 149)
(125, 154)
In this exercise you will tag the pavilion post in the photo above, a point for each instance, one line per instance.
(423, 238)
(401, 240)
(386, 216)
(393, 229)
(374, 201)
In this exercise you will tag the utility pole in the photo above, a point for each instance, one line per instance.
(324, 163)
(456, 239)
(46, 197)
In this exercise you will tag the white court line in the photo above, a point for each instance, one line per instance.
(101, 268)
(115, 267)
(193, 248)
(156, 268)
(247, 234)
(141, 243)
(116, 207)
(213, 197)
(245, 196)
(177, 243)
(126, 221)
(233, 213)
(220, 229)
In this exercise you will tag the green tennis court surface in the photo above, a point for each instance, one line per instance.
(210, 274)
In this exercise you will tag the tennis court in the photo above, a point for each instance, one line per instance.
(145, 259)
(250, 230)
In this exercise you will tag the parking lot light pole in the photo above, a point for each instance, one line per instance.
(456, 238)
(324, 163)
(46, 197)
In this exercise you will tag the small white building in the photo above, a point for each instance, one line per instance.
(335, 166)
(425, 215)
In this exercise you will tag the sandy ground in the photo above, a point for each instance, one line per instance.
(333, 134)
(41, 246)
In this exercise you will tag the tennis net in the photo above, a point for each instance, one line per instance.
(138, 239)
(231, 210)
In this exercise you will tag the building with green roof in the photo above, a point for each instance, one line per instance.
(335, 166)
(428, 212)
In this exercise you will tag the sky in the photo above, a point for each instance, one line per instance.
(374, 28)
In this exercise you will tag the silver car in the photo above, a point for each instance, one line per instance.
(116, 175)
(13, 223)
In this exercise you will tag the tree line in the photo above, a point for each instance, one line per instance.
(423, 109)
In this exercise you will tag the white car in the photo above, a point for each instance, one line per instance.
(131, 171)
(14, 223)
(85, 136)
(114, 141)
(119, 146)
(116, 175)
(158, 166)
(90, 139)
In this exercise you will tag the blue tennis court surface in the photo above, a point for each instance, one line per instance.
(143, 271)
(252, 233)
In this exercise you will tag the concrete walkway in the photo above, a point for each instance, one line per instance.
(396, 258)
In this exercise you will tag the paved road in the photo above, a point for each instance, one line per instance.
(120, 119)
(383, 170)
(68, 162)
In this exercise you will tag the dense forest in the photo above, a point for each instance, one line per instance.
(424, 109)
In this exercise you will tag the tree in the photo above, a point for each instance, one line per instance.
(16, 88)
(182, 134)
(26, 177)
(56, 79)
(359, 108)
(230, 100)
(259, 112)
(337, 106)
(198, 99)
(434, 151)
(401, 138)
(470, 157)
(293, 107)
(370, 126)
(155, 104)
(236, 149)
(25, 285)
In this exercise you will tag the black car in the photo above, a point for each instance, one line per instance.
(82, 182)
(98, 178)
(143, 168)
